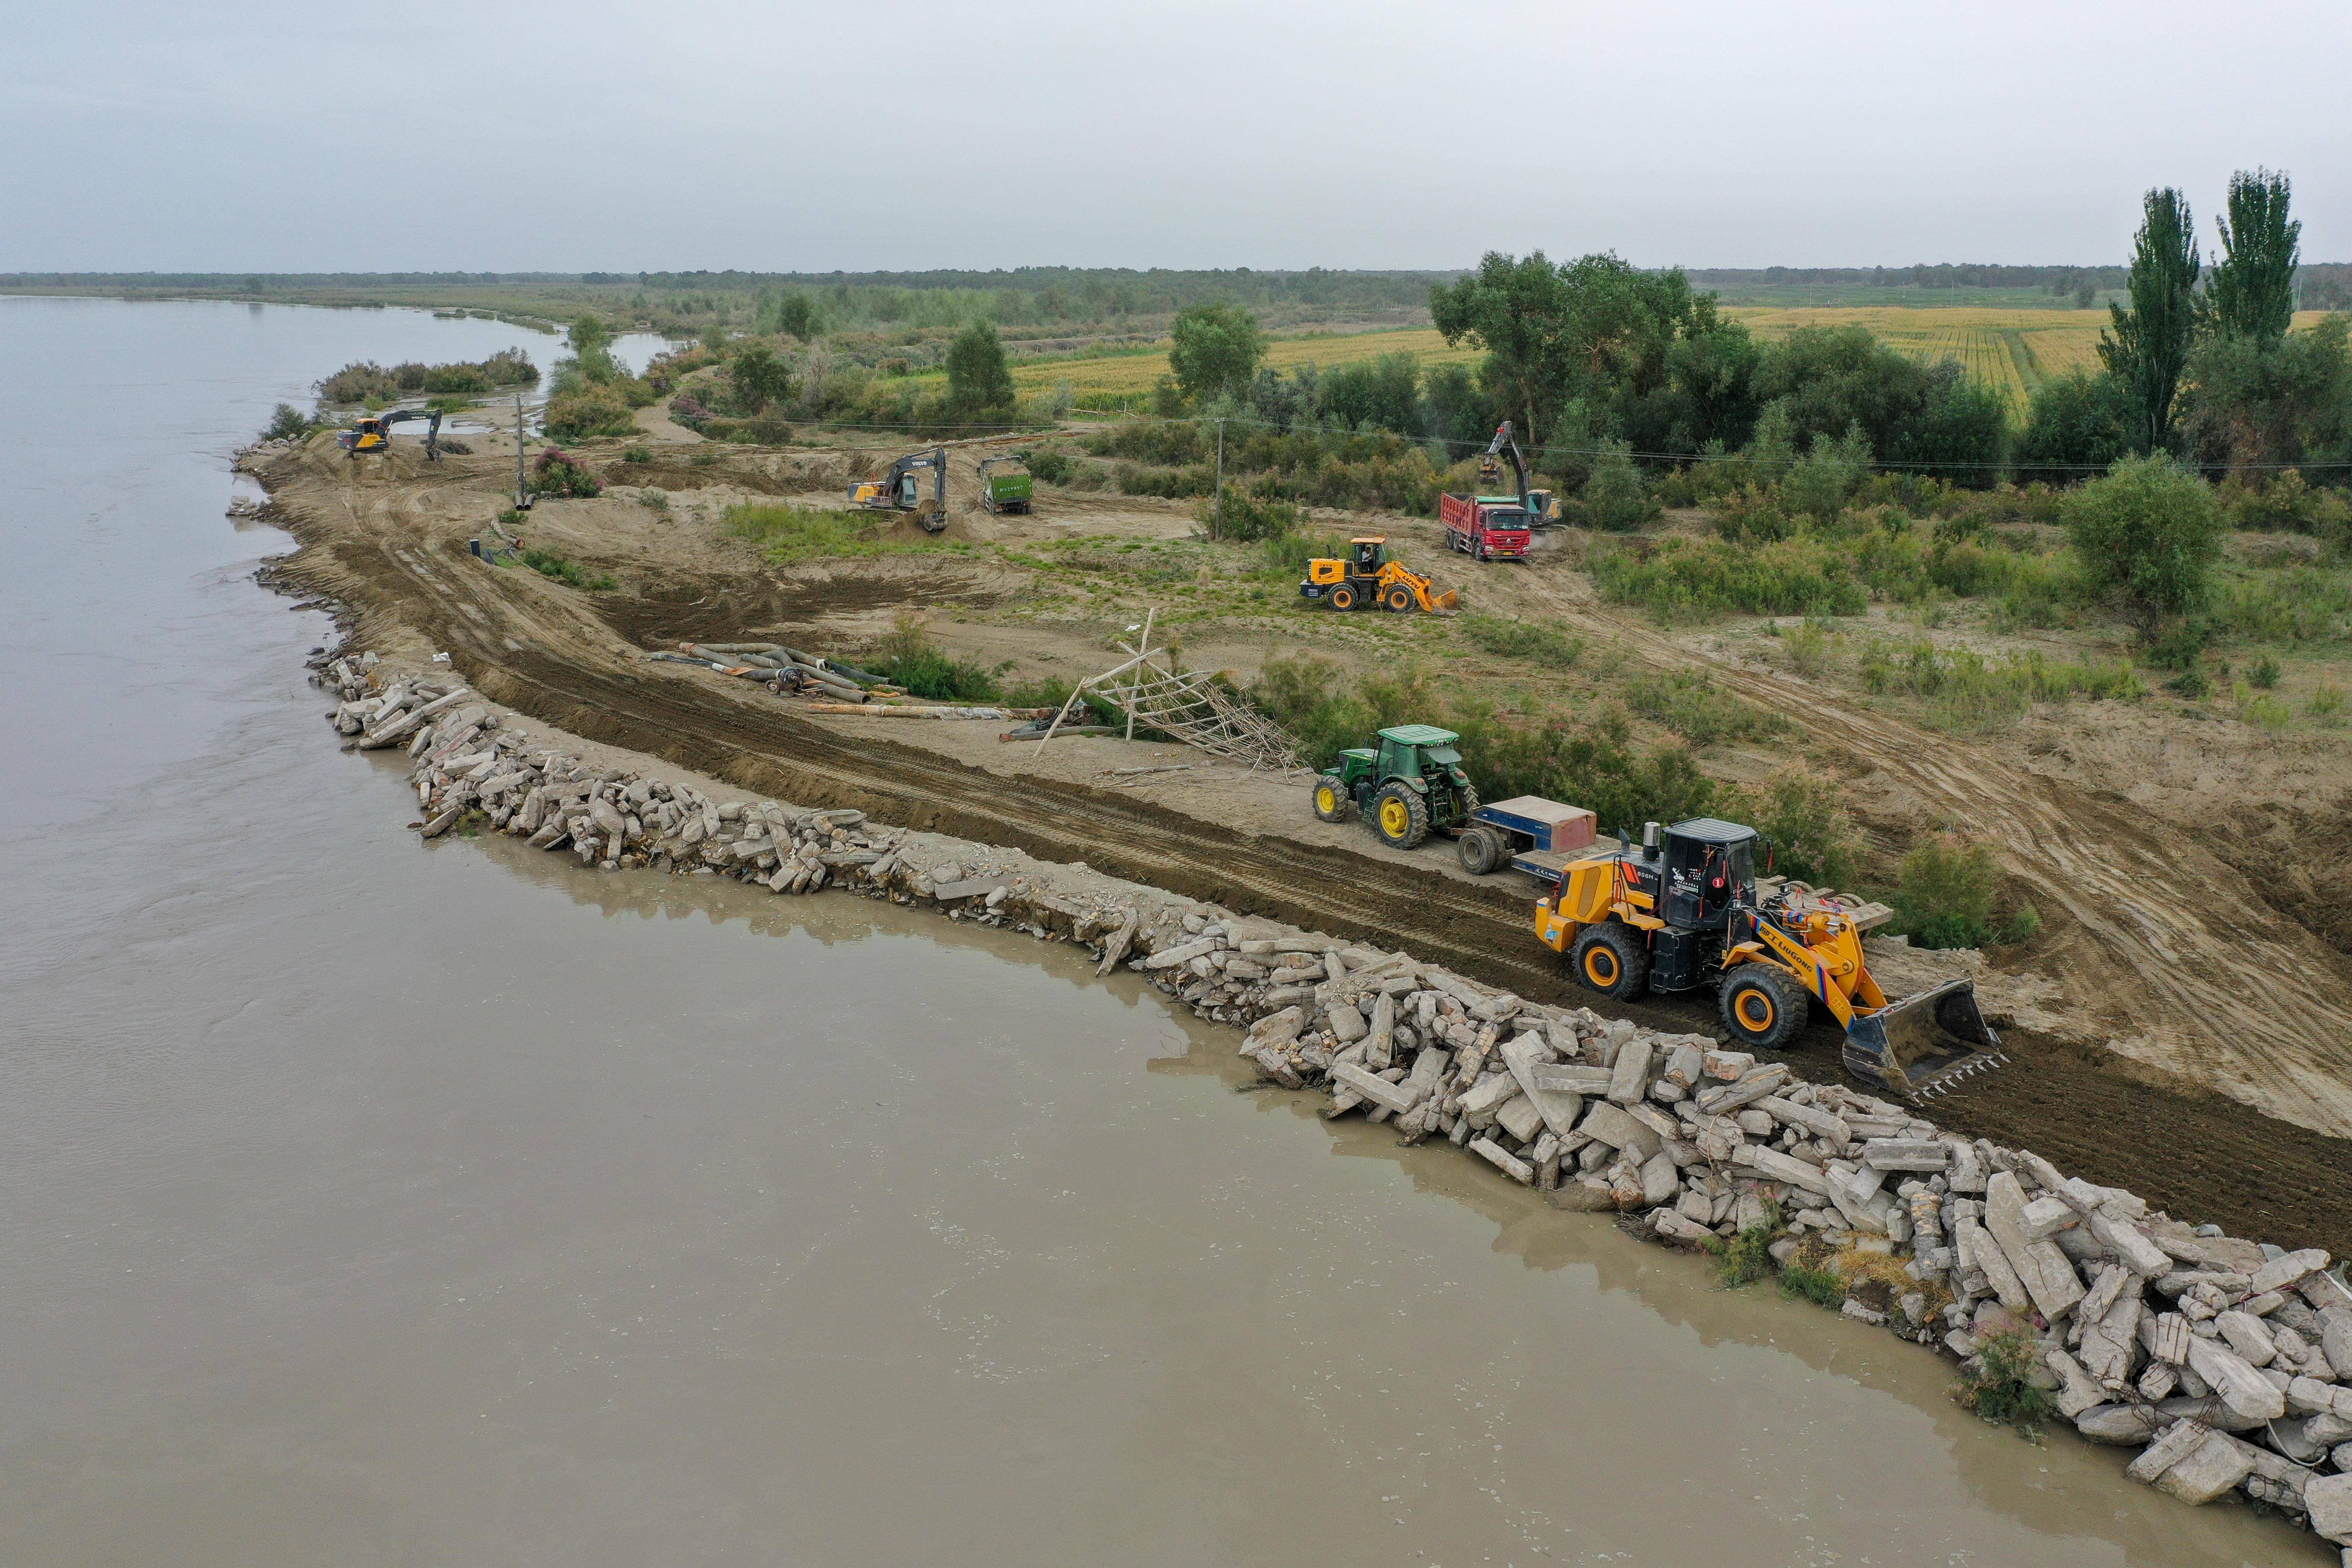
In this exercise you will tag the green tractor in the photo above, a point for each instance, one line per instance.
(1005, 485)
(1411, 784)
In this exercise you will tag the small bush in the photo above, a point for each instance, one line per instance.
(1523, 639)
(2150, 533)
(1803, 817)
(2002, 1389)
(1948, 894)
(1248, 518)
(636, 455)
(2326, 701)
(547, 563)
(1286, 555)
(2264, 674)
(1696, 577)
(1965, 690)
(287, 423)
(909, 657)
(1046, 465)
(2296, 605)
(1808, 648)
(1689, 703)
(654, 500)
(587, 411)
(555, 473)
(1615, 498)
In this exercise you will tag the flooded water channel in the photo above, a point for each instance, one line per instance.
(366, 1203)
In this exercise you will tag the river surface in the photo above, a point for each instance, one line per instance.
(363, 1202)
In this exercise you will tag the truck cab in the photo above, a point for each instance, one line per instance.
(1485, 527)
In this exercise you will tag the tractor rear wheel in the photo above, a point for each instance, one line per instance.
(1610, 960)
(1399, 816)
(1343, 598)
(1331, 802)
(1762, 1007)
(1400, 598)
(1481, 850)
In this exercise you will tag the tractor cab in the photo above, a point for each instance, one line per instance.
(1420, 751)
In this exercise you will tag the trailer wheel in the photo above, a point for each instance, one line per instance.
(1611, 961)
(1400, 598)
(1331, 803)
(1762, 1007)
(1399, 816)
(1480, 850)
(1343, 598)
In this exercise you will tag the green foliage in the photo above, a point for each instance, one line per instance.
(363, 380)
(586, 412)
(2002, 1389)
(1247, 517)
(758, 378)
(1968, 690)
(1685, 578)
(1508, 639)
(1747, 1256)
(2145, 348)
(1818, 484)
(1689, 702)
(787, 533)
(2077, 422)
(795, 314)
(2296, 605)
(636, 455)
(1950, 894)
(1214, 349)
(2150, 534)
(2288, 399)
(547, 563)
(287, 423)
(980, 383)
(1811, 833)
(2264, 673)
(554, 473)
(1381, 393)
(1614, 498)
(1829, 382)
(910, 658)
(2251, 291)
(1802, 1282)
(1286, 555)
(1046, 464)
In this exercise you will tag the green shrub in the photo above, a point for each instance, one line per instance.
(1286, 555)
(1812, 834)
(2002, 1389)
(1689, 702)
(2326, 701)
(2264, 674)
(587, 411)
(1965, 690)
(547, 563)
(554, 473)
(2150, 534)
(636, 455)
(1948, 894)
(2292, 605)
(1247, 517)
(1508, 639)
(909, 657)
(1807, 648)
(1615, 498)
(287, 423)
(1046, 465)
(1698, 577)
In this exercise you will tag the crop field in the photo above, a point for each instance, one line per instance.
(2013, 350)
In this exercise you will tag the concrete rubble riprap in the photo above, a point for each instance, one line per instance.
(2227, 1362)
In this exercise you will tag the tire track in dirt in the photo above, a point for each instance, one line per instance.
(392, 554)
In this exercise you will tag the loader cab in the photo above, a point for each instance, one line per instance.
(1370, 556)
(1706, 868)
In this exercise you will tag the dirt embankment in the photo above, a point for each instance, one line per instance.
(2164, 926)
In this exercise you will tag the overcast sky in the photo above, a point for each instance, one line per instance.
(717, 134)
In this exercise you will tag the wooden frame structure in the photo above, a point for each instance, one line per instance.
(1185, 705)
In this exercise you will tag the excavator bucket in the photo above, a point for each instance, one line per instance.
(1924, 1045)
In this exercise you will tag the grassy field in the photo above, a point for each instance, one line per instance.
(2013, 350)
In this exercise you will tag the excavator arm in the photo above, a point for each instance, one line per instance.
(1506, 444)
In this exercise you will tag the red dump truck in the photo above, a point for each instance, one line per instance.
(1485, 527)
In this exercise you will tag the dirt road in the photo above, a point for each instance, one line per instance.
(387, 540)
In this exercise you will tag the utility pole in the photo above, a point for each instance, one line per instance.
(1217, 527)
(519, 483)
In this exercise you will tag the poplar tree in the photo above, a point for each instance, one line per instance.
(2146, 346)
(2252, 290)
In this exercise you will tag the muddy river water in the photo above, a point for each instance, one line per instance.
(368, 1204)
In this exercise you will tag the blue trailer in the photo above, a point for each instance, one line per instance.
(1531, 833)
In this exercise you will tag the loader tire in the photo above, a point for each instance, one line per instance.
(1399, 816)
(1609, 959)
(1331, 802)
(1763, 1008)
(1343, 598)
(1400, 598)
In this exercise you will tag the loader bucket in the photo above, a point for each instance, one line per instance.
(1444, 601)
(1923, 1045)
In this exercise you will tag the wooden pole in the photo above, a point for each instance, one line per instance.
(1217, 523)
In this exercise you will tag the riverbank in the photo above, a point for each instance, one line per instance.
(2226, 1361)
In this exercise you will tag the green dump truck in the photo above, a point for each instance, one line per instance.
(1004, 485)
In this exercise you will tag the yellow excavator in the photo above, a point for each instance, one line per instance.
(1685, 908)
(1369, 575)
(901, 489)
(372, 432)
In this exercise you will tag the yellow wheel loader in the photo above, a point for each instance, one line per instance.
(1368, 575)
(1685, 908)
